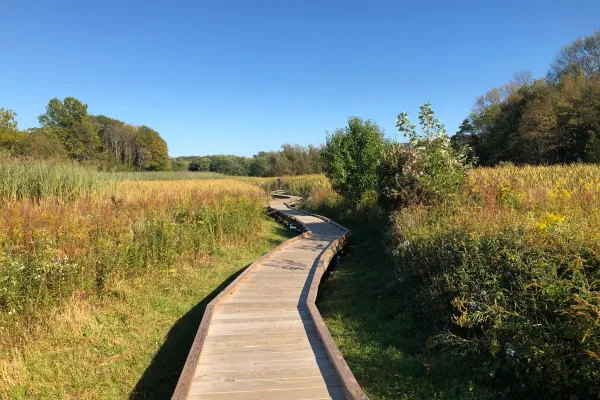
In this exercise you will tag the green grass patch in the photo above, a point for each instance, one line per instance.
(34, 179)
(131, 342)
(363, 302)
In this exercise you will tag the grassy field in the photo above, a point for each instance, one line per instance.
(493, 295)
(131, 342)
(103, 281)
(167, 176)
(35, 180)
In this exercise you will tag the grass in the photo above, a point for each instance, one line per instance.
(48, 249)
(422, 305)
(166, 176)
(492, 295)
(362, 303)
(133, 341)
(103, 281)
(36, 180)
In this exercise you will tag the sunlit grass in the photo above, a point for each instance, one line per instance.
(507, 273)
(36, 180)
(130, 343)
(165, 175)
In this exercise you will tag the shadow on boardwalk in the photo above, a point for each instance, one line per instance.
(160, 378)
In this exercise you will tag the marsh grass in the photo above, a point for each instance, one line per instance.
(493, 294)
(48, 249)
(95, 269)
(166, 176)
(22, 179)
(130, 343)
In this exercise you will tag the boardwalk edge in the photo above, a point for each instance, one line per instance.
(187, 374)
(352, 389)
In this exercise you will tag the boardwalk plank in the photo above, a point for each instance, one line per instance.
(261, 341)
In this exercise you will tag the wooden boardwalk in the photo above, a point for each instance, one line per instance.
(263, 338)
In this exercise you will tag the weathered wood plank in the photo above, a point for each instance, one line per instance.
(255, 349)
(320, 393)
(295, 355)
(262, 338)
(266, 374)
(238, 385)
(260, 365)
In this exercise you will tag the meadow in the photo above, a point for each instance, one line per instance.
(492, 294)
(111, 275)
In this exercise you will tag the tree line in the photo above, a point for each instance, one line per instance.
(290, 160)
(555, 119)
(68, 131)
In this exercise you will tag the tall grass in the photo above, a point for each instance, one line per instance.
(302, 185)
(35, 180)
(166, 176)
(50, 249)
(509, 275)
(503, 280)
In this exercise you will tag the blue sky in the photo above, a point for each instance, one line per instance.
(236, 77)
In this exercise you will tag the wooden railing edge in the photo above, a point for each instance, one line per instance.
(187, 374)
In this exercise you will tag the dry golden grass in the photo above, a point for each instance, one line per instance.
(48, 247)
(91, 284)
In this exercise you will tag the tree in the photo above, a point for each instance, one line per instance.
(351, 156)
(178, 164)
(119, 140)
(10, 137)
(465, 134)
(153, 154)
(7, 119)
(69, 121)
(581, 57)
(262, 164)
(315, 160)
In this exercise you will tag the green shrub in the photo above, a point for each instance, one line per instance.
(429, 170)
(522, 302)
(351, 156)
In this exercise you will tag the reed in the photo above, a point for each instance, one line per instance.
(50, 249)
(35, 180)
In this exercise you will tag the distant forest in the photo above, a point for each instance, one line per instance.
(555, 119)
(290, 160)
(68, 132)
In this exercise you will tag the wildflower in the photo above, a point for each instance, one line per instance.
(509, 350)
(550, 221)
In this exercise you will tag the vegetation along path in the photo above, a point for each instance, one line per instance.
(263, 337)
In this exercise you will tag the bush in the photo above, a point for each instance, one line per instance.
(429, 170)
(509, 276)
(351, 156)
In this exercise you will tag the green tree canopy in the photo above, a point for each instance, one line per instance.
(581, 57)
(153, 154)
(7, 119)
(69, 121)
(351, 156)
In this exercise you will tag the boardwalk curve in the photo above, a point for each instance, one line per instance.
(263, 336)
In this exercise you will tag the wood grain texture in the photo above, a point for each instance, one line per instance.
(263, 336)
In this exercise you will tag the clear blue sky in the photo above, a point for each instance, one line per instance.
(237, 77)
